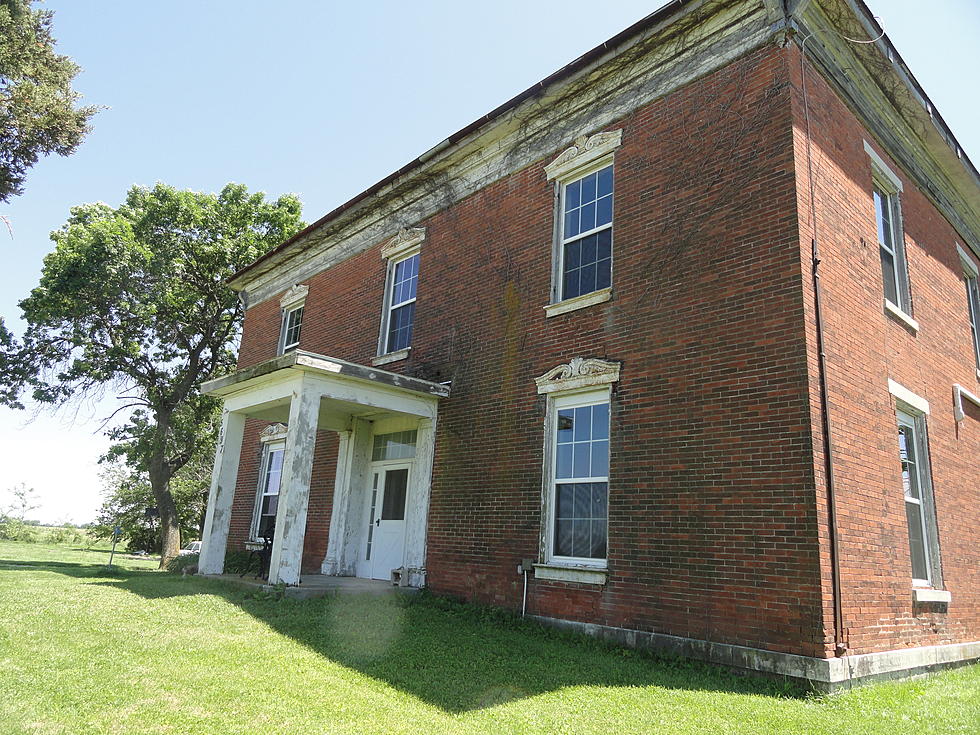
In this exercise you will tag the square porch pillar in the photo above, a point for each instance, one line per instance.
(294, 489)
(214, 539)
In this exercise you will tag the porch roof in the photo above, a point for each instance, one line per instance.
(299, 362)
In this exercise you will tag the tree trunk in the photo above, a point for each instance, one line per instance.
(169, 523)
(160, 474)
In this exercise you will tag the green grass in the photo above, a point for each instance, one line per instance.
(134, 650)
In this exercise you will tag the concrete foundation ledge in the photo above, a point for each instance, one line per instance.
(819, 674)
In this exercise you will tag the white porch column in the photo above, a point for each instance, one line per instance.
(214, 539)
(417, 517)
(294, 489)
(347, 516)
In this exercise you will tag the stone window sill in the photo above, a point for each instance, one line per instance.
(567, 573)
(897, 313)
(578, 302)
(922, 594)
(391, 357)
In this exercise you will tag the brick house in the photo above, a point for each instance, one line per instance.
(687, 333)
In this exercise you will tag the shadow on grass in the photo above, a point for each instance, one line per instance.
(455, 656)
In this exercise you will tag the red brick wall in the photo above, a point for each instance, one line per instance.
(865, 348)
(712, 519)
(321, 494)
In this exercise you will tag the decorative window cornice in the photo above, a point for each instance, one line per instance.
(403, 242)
(273, 432)
(586, 151)
(578, 373)
(295, 296)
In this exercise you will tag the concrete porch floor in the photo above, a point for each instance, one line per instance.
(319, 585)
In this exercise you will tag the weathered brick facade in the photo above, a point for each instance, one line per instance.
(718, 523)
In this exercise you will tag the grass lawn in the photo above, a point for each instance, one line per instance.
(141, 651)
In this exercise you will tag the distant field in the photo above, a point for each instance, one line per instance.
(86, 650)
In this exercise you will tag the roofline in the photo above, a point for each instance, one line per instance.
(567, 71)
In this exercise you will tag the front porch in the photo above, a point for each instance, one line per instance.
(380, 498)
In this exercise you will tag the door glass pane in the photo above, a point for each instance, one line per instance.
(396, 488)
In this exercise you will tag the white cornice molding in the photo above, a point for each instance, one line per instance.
(273, 432)
(578, 373)
(592, 98)
(403, 242)
(294, 296)
(586, 151)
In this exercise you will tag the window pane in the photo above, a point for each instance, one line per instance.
(563, 537)
(589, 188)
(581, 537)
(600, 421)
(397, 445)
(917, 546)
(583, 500)
(565, 423)
(564, 501)
(587, 217)
(598, 550)
(973, 303)
(564, 460)
(906, 451)
(583, 423)
(883, 219)
(400, 327)
(582, 458)
(580, 520)
(600, 492)
(600, 459)
(888, 276)
(571, 224)
(573, 254)
(605, 177)
(572, 199)
(603, 211)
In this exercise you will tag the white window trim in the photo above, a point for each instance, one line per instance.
(907, 400)
(271, 441)
(913, 421)
(577, 383)
(401, 246)
(892, 180)
(588, 155)
(292, 300)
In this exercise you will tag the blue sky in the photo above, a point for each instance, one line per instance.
(321, 99)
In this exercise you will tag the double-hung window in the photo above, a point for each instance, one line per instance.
(581, 482)
(583, 249)
(400, 308)
(920, 510)
(268, 497)
(292, 304)
(586, 234)
(885, 191)
(970, 273)
(401, 253)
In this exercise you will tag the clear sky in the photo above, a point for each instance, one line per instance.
(321, 99)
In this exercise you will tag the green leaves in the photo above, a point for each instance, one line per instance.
(38, 115)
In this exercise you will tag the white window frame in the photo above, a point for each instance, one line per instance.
(292, 302)
(397, 249)
(911, 411)
(890, 186)
(268, 447)
(578, 399)
(971, 278)
(588, 155)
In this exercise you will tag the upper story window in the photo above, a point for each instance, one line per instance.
(886, 188)
(292, 304)
(402, 253)
(970, 274)
(582, 258)
(401, 303)
(586, 234)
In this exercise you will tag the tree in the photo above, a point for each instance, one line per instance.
(25, 502)
(38, 115)
(133, 300)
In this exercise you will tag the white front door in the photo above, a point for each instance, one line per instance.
(387, 498)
